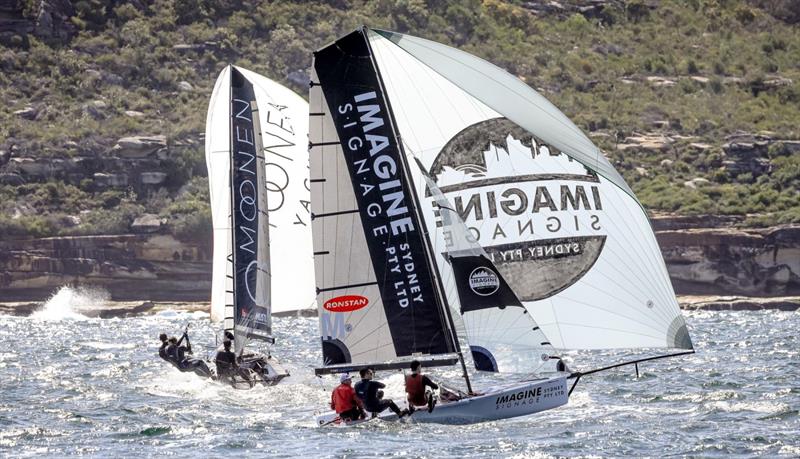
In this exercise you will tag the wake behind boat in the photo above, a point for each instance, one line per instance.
(557, 253)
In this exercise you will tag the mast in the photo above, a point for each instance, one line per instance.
(415, 207)
(232, 255)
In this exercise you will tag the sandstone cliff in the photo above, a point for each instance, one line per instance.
(154, 267)
(158, 267)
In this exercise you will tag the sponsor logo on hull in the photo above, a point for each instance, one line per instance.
(551, 394)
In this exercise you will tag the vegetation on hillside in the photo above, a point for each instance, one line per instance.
(693, 73)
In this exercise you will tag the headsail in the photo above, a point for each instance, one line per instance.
(377, 298)
(502, 334)
(283, 132)
(557, 220)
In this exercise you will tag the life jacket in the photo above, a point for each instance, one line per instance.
(415, 390)
(343, 398)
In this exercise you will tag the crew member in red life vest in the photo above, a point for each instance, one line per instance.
(415, 388)
(344, 400)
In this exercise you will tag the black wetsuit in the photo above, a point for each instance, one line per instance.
(178, 354)
(162, 351)
(226, 363)
(367, 391)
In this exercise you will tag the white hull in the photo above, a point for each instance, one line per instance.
(520, 399)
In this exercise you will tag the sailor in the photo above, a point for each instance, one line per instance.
(372, 397)
(344, 400)
(162, 351)
(178, 353)
(226, 361)
(561, 366)
(416, 383)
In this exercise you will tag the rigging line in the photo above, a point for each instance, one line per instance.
(365, 314)
(578, 374)
(525, 332)
(367, 335)
(485, 326)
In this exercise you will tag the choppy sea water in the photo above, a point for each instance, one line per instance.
(71, 385)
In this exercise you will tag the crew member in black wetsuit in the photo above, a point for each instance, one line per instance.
(226, 361)
(162, 351)
(368, 391)
(178, 353)
(227, 366)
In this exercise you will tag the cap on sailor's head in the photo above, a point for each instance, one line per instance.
(344, 377)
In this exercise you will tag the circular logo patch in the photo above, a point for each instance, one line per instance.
(537, 212)
(483, 281)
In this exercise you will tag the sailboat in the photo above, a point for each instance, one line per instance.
(450, 198)
(256, 146)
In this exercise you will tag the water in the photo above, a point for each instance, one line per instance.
(74, 385)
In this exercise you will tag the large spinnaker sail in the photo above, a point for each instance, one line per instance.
(377, 300)
(284, 136)
(553, 215)
(502, 335)
(250, 223)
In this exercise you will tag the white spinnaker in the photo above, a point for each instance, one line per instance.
(284, 136)
(509, 333)
(342, 255)
(283, 117)
(621, 299)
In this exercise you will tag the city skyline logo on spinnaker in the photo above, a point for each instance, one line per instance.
(484, 281)
(537, 212)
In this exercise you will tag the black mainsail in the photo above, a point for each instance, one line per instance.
(249, 219)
